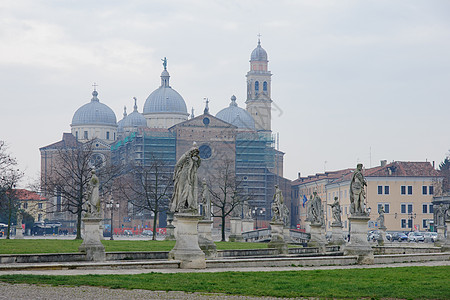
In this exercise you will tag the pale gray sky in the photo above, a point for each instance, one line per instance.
(356, 81)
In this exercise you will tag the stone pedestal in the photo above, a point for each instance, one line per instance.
(247, 225)
(236, 230)
(287, 235)
(382, 236)
(170, 233)
(307, 226)
(358, 244)
(276, 238)
(205, 240)
(92, 245)
(440, 240)
(19, 233)
(336, 234)
(317, 237)
(446, 243)
(186, 248)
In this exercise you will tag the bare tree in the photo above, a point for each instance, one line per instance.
(227, 193)
(10, 176)
(147, 188)
(444, 168)
(70, 175)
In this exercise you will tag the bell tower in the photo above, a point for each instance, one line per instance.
(259, 101)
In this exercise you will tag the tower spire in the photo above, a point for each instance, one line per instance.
(135, 104)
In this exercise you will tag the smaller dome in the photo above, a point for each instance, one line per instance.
(135, 119)
(259, 54)
(94, 113)
(236, 116)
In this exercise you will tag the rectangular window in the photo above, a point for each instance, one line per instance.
(424, 190)
(380, 190)
(409, 189)
(85, 135)
(39, 217)
(403, 223)
(76, 135)
(431, 190)
(431, 209)
(409, 223)
(39, 205)
(345, 209)
(380, 206)
(25, 205)
(403, 208)
(386, 190)
(386, 208)
(345, 224)
(424, 223)
(107, 135)
(403, 190)
(410, 208)
(424, 208)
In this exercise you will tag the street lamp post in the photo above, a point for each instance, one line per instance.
(111, 206)
(411, 217)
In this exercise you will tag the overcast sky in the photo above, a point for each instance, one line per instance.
(353, 81)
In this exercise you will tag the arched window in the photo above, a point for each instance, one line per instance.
(257, 86)
(265, 86)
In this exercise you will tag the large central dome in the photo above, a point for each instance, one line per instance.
(165, 99)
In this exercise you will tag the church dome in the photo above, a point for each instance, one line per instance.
(259, 54)
(135, 119)
(165, 99)
(94, 112)
(236, 116)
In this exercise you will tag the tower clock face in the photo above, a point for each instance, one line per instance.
(97, 160)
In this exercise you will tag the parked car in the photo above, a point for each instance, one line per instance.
(430, 237)
(147, 232)
(373, 235)
(399, 236)
(127, 232)
(415, 236)
(388, 236)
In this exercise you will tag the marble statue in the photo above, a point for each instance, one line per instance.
(336, 210)
(19, 218)
(185, 181)
(316, 210)
(380, 218)
(277, 205)
(357, 192)
(247, 212)
(93, 204)
(440, 215)
(206, 201)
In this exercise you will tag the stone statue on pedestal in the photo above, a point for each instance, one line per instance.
(277, 205)
(185, 181)
(380, 218)
(315, 212)
(440, 214)
(247, 212)
(357, 192)
(93, 204)
(206, 201)
(336, 210)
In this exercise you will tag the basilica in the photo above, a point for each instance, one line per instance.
(236, 137)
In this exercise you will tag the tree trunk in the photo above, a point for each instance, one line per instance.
(78, 237)
(223, 228)
(9, 218)
(154, 225)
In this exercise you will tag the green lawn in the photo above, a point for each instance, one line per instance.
(403, 282)
(65, 246)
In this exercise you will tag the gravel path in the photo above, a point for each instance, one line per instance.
(40, 292)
